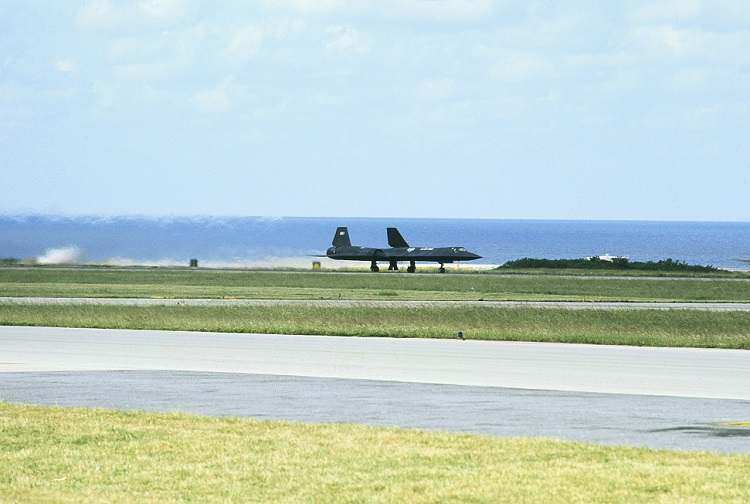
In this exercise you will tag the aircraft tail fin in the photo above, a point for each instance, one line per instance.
(341, 238)
(395, 239)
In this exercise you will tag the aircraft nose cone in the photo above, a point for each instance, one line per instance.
(472, 255)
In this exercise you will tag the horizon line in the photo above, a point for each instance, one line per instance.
(198, 216)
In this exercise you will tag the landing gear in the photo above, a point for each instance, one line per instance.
(412, 267)
(374, 267)
(393, 266)
(441, 269)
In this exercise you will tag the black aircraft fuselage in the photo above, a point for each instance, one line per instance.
(399, 250)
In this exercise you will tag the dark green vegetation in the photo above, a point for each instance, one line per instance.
(594, 263)
(685, 328)
(9, 261)
(185, 283)
(84, 455)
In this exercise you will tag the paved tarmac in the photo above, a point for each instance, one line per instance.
(569, 305)
(615, 419)
(684, 372)
(356, 268)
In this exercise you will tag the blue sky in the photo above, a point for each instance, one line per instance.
(413, 108)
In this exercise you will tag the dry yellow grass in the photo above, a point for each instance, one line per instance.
(84, 455)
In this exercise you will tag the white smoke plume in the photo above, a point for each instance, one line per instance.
(61, 255)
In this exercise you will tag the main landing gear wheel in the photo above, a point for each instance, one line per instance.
(374, 267)
(393, 266)
(442, 269)
(412, 267)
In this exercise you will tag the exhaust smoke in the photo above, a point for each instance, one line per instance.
(61, 255)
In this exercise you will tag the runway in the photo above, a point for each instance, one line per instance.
(603, 394)
(683, 372)
(345, 268)
(568, 305)
(613, 419)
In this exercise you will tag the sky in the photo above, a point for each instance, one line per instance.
(530, 109)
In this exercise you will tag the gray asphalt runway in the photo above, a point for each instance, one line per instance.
(616, 419)
(570, 305)
(341, 268)
(685, 372)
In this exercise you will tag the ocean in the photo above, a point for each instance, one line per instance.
(290, 241)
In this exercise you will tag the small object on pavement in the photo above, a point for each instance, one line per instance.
(460, 335)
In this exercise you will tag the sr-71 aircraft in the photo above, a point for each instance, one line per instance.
(400, 251)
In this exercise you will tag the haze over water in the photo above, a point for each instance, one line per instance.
(288, 241)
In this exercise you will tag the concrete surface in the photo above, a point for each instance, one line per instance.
(685, 372)
(615, 419)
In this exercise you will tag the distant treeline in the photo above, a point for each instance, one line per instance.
(620, 263)
(9, 260)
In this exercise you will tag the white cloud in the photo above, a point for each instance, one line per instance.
(728, 48)
(345, 40)
(519, 66)
(436, 89)
(690, 78)
(447, 10)
(215, 99)
(701, 117)
(142, 71)
(670, 10)
(245, 43)
(174, 49)
(105, 14)
(9, 93)
(124, 48)
(282, 28)
(309, 6)
(161, 10)
(667, 40)
(65, 65)
(191, 42)
(98, 14)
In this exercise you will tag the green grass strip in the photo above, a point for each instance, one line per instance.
(86, 455)
(674, 328)
(92, 282)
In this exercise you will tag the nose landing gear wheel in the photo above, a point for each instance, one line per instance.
(374, 267)
(412, 267)
(393, 266)
(442, 269)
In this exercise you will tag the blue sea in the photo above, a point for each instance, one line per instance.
(249, 241)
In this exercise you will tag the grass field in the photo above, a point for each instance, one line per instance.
(84, 455)
(184, 283)
(679, 328)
